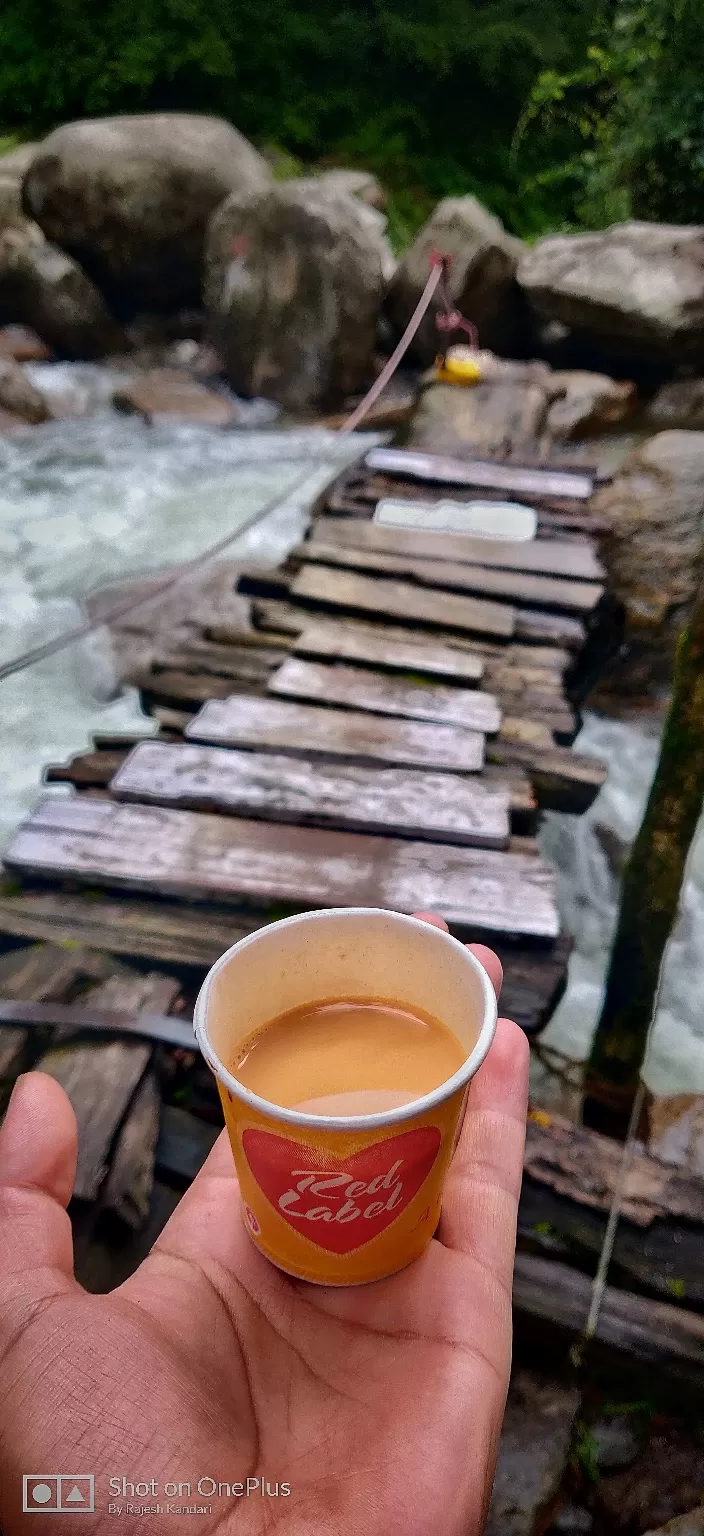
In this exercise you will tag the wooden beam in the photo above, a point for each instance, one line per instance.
(545, 557)
(169, 932)
(358, 688)
(203, 857)
(328, 589)
(552, 592)
(440, 807)
(343, 642)
(401, 600)
(653, 1331)
(575, 483)
(278, 725)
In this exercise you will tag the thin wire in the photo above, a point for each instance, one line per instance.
(390, 367)
(607, 1247)
(120, 611)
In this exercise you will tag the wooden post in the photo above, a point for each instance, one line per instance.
(651, 887)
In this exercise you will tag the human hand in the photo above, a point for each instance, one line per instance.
(380, 1405)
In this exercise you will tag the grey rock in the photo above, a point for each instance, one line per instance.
(533, 1454)
(17, 161)
(293, 290)
(584, 402)
(499, 415)
(573, 1520)
(655, 506)
(42, 287)
(680, 403)
(636, 288)
(482, 276)
(173, 394)
(361, 184)
(683, 1525)
(19, 395)
(130, 198)
(615, 1443)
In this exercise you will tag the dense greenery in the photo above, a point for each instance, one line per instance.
(554, 111)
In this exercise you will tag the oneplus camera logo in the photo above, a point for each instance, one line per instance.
(58, 1493)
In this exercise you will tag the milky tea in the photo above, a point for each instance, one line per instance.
(343, 1042)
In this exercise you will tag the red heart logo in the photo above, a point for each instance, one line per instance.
(341, 1203)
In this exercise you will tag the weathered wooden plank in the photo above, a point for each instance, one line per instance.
(222, 660)
(401, 600)
(577, 484)
(544, 658)
(12, 1047)
(545, 557)
(139, 927)
(34, 973)
(325, 588)
(655, 1331)
(342, 642)
(441, 807)
(358, 688)
(128, 1187)
(563, 780)
(278, 725)
(100, 1081)
(41, 973)
(571, 1175)
(559, 628)
(87, 770)
(551, 592)
(193, 687)
(185, 853)
(586, 1166)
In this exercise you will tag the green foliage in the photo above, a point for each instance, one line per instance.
(557, 113)
(622, 134)
(586, 1452)
(426, 97)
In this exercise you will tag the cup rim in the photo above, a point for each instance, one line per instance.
(350, 1123)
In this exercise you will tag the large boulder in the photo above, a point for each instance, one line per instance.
(17, 161)
(585, 402)
(482, 277)
(42, 287)
(130, 198)
(655, 506)
(679, 403)
(293, 290)
(361, 184)
(498, 416)
(635, 288)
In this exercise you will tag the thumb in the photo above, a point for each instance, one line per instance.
(38, 1146)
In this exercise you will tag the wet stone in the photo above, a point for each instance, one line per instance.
(533, 1454)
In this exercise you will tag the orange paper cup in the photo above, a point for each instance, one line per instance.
(332, 1200)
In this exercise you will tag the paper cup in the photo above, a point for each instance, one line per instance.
(298, 1171)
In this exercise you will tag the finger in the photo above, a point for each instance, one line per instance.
(38, 1145)
(433, 919)
(486, 957)
(491, 963)
(481, 1194)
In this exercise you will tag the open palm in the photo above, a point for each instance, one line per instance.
(379, 1406)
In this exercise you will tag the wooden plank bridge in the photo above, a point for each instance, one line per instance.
(384, 726)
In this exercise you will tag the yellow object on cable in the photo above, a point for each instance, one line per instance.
(459, 366)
